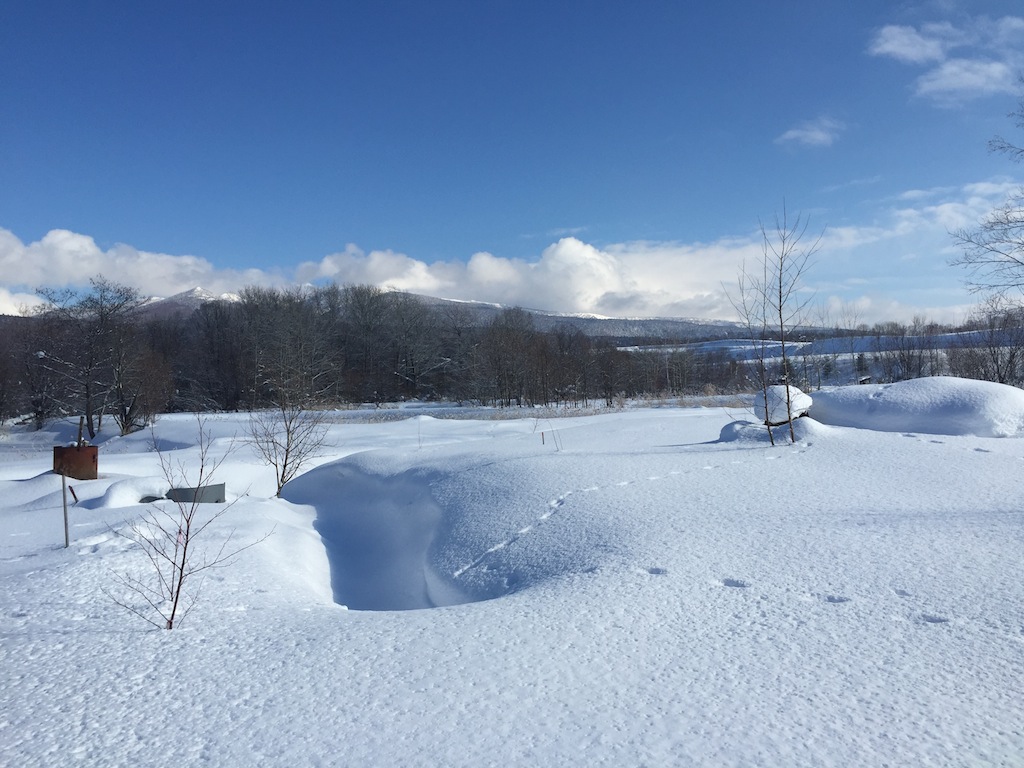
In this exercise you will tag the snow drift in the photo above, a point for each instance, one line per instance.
(940, 405)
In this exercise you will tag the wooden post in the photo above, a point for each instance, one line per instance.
(64, 488)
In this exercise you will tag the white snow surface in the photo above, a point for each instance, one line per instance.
(620, 589)
(941, 405)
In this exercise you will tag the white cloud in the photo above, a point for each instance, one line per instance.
(959, 79)
(68, 259)
(633, 279)
(924, 194)
(989, 54)
(907, 44)
(863, 182)
(15, 303)
(564, 231)
(857, 262)
(814, 133)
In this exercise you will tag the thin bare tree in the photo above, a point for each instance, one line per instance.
(287, 437)
(993, 252)
(751, 303)
(172, 536)
(770, 300)
(95, 323)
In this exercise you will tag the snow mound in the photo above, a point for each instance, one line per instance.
(941, 405)
(755, 434)
(775, 413)
(125, 493)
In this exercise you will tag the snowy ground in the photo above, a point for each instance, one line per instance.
(651, 587)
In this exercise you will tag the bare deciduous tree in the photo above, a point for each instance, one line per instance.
(287, 437)
(751, 302)
(171, 535)
(993, 253)
(992, 346)
(95, 324)
(769, 301)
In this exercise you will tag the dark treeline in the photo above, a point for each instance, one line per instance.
(101, 354)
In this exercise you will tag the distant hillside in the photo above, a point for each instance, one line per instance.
(182, 304)
(626, 330)
(622, 330)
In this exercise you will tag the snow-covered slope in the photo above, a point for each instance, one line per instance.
(941, 405)
(650, 587)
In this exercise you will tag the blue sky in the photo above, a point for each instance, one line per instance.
(604, 157)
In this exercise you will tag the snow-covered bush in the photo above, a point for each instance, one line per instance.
(775, 411)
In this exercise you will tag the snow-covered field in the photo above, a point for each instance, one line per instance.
(651, 587)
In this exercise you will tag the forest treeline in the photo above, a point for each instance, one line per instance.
(99, 354)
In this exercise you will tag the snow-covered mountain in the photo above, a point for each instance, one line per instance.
(183, 303)
(478, 313)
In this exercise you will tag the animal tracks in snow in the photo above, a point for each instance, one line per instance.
(552, 507)
(555, 504)
(924, 618)
(549, 513)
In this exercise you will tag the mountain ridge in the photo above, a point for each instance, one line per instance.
(480, 313)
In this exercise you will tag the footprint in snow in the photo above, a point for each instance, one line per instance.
(17, 557)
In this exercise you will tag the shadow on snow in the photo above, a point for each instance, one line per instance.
(377, 532)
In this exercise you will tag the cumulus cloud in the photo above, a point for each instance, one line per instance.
(15, 303)
(966, 78)
(67, 259)
(814, 133)
(988, 54)
(386, 269)
(633, 279)
(913, 46)
(628, 279)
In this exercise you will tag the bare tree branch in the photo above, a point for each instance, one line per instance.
(287, 437)
(169, 535)
(770, 303)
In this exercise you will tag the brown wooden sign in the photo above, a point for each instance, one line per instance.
(80, 462)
